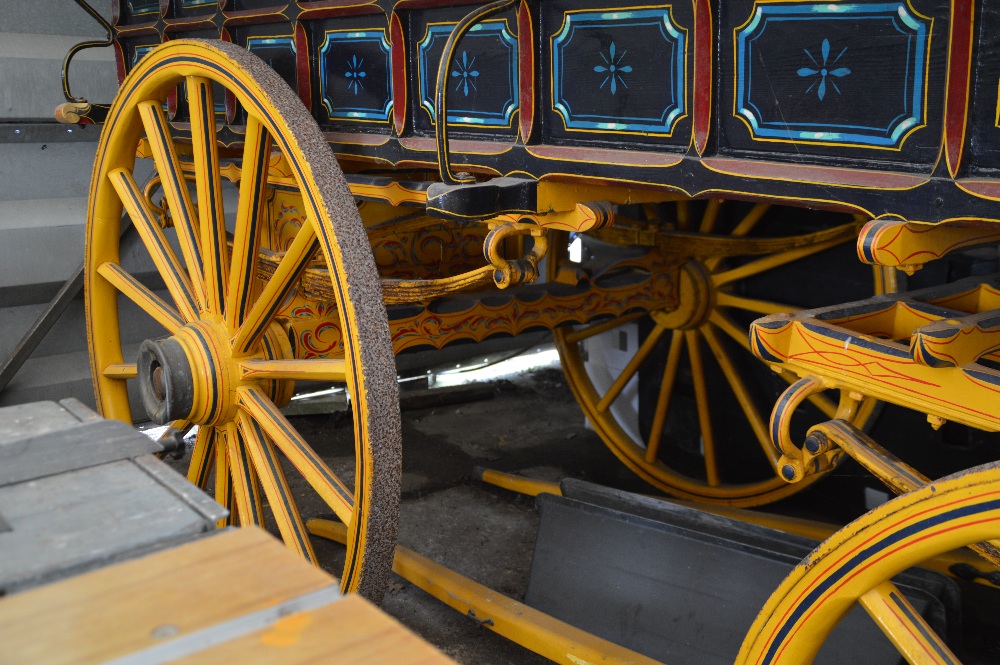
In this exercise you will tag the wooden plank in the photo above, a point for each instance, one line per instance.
(179, 485)
(28, 420)
(86, 445)
(348, 632)
(138, 604)
(63, 524)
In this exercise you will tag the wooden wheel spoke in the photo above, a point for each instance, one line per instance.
(284, 279)
(246, 240)
(710, 216)
(329, 487)
(245, 485)
(906, 629)
(723, 299)
(176, 191)
(224, 495)
(771, 262)
(275, 486)
(147, 301)
(296, 370)
(208, 184)
(663, 399)
(745, 226)
(749, 221)
(683, 216)
(633, 366)
(120, 371)
(742, 394)
(603, 327)
(156, 243)
(202, 457)
(704, 414)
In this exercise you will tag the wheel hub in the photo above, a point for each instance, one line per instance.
(695, 299)
(193, 376)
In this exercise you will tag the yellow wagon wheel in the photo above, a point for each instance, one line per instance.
(856, 564)
(226, 362)
(704, 435)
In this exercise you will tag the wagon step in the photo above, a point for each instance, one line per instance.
(683, 586)
(931, 350)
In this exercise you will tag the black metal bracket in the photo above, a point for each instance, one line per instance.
(483, 200)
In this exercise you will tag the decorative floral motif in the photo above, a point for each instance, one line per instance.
(613, 68)
(466, 74)
(354, 74)
(824, 70)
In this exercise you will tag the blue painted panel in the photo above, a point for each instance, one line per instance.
(798, 78)
(620, 71)
(483, 81)
(355, 75)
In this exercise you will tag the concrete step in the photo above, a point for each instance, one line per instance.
(32, 73)
(52, 17)
(61, 376)
(31, 171)
(69, 334)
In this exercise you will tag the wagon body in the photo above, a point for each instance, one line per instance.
(714, 162)
(874, 108)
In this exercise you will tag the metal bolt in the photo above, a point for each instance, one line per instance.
(788, 472)
(17, 131)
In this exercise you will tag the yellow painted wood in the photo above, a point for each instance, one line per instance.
(226, 312)
(148, 301)
(111, 612)
(120, 371)
(211, 215)
(347, 632)
(160, 251)
(905, 628)
(904, 532)
(910, 245)
(299, 370)
(175, 189)
(519, 484)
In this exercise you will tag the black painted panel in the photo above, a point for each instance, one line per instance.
(243, 5)
(136, 49)
(859, 81)
(983, 130)
(274, 44)
(194, 8)
(351, 73)
(134, 12)
(616, 74)
(483, 93)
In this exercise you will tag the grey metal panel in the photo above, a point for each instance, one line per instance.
(685, 592)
